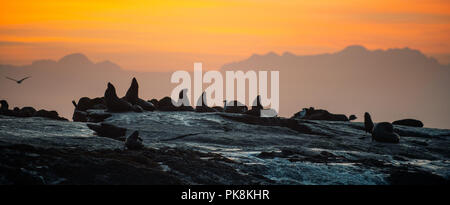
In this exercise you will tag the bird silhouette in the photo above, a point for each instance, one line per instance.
(18, 81)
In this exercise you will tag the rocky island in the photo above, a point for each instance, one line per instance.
(129, 140)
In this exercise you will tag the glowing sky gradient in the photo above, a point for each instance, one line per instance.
(172, 34)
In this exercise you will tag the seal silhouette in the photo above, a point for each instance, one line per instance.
(113, 103)
(132, 96)
(368, 124)
(384, 132)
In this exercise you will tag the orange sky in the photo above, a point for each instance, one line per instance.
(172, 34)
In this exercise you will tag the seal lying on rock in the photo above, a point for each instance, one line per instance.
(256, 107)
(108, 130)
(368, 124)
(202, 106)
(234, 107)
(409, 122)
(183, 101)
(81, 116)
(167, 104)
(86, 103)
(134, 142)
(26, 112)
(113, 103)
(49, 114)
(384, 132)
(154, 102)
(132, 96)
(319, 114)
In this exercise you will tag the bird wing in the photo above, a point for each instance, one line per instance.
(25, 78)
(11, 79)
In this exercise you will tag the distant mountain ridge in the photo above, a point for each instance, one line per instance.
(392, 84)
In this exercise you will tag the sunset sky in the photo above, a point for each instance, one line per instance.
(170, 35)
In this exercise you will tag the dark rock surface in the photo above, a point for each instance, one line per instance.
(218, 148)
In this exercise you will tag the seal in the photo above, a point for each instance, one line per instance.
(409, 122)
(202, 105)
(132, 96)
(113, 103)
(368, 124)
(134, 142)
(384, 132)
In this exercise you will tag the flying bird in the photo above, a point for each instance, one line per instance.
(18, 81)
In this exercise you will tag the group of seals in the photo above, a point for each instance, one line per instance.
(114, 103)
(28, 112)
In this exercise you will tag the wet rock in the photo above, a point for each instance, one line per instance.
(269, 121)
(368, 124)
(97, 117)
(108, 130)
(421, 143)
(352, 117)
(313, 114)
(134, 142)
(113, 103)
(384, 132)
(409, 122)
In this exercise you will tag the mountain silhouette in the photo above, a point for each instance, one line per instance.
(391, 84)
